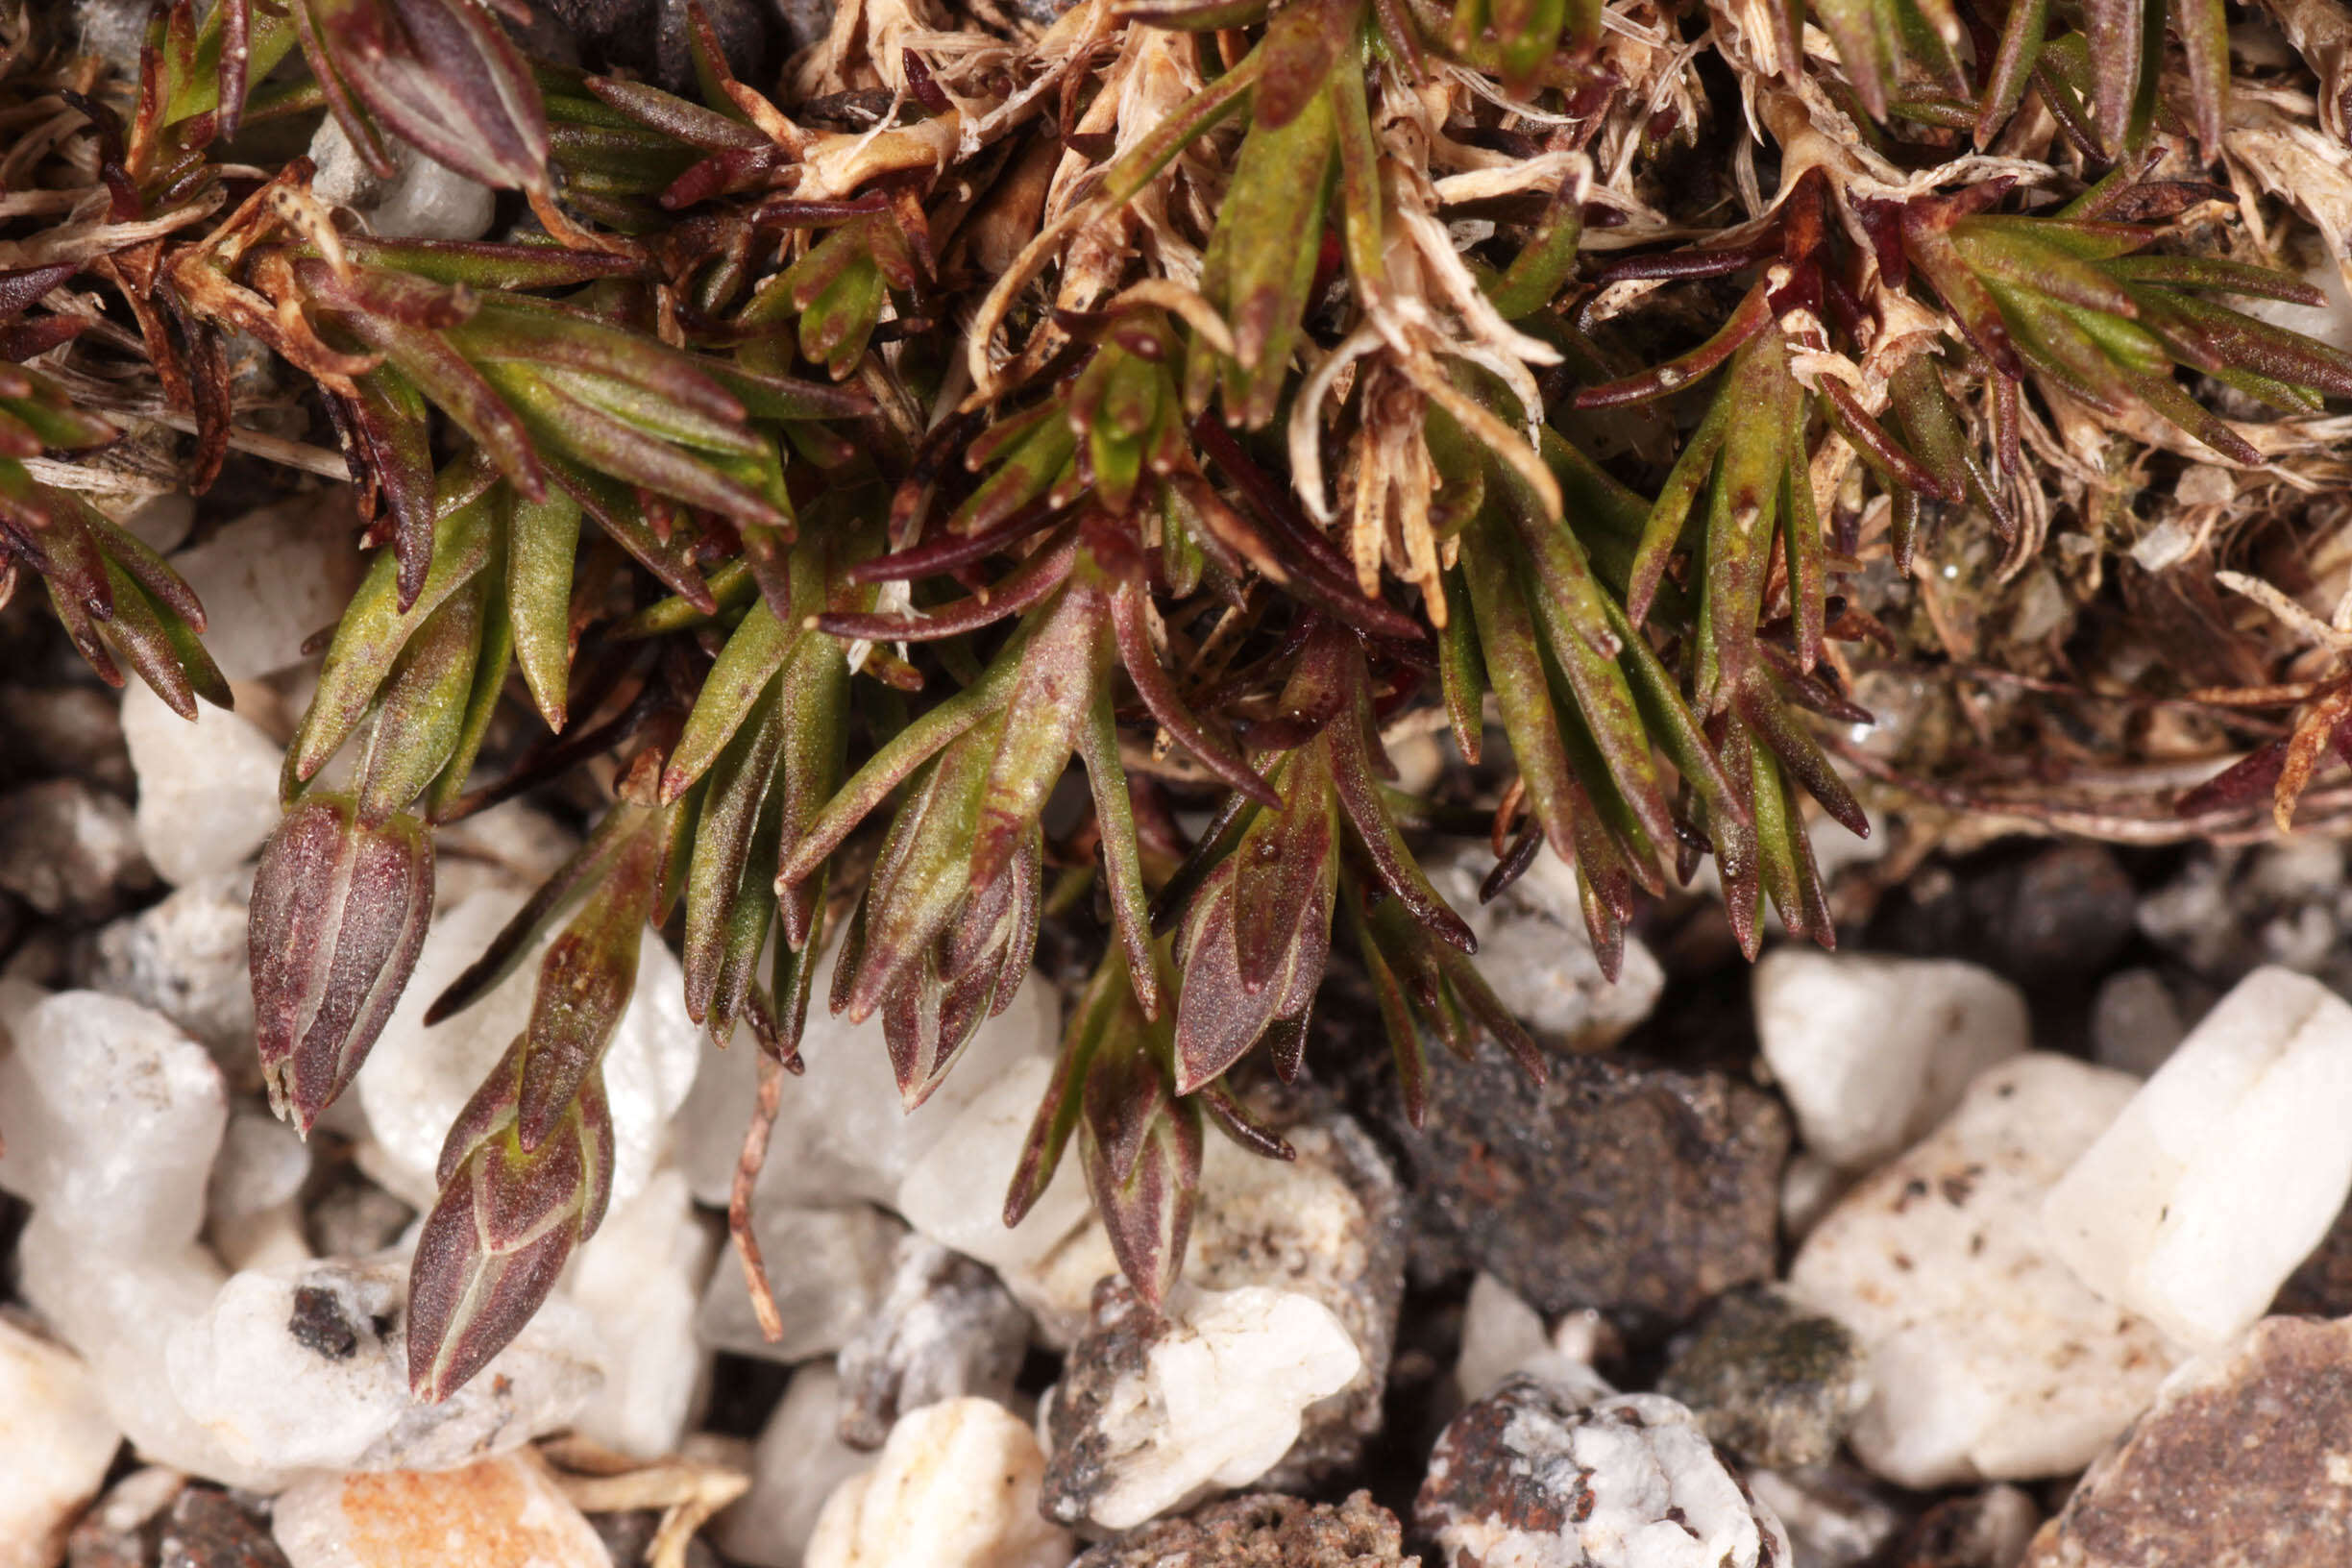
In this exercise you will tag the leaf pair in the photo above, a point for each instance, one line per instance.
(1586, 701)
(1428, 987)
(1139, 1142)
(1256, 932)
(2069, 302)
(120, 601)
(527, 1171)
(988, 760)
(424, 681)
(761, 752)
(1767, 754)
(1309, 129)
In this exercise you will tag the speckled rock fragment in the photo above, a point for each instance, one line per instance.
(1773, 1382)
(2244, 1461)
(206, 1528)
(1618, 1183)
(1531, 1478)
(945, 1328)
(1262, 1530)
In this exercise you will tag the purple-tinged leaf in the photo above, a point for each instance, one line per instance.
(339, 918)
(469, 1295)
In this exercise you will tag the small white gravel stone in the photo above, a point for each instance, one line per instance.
(1500, 1333)
(1833, 1514)
(107, 1306)
(185, 957)
(1532, 1477)
(638, 1280)
(429, 202)
(1210, 1396)
(800, 1460)
(422, 201)
(161, 523)
(512, 846)
(207, 790)
(251, 1218)
(1873, 1051)
(418, 1079)
(841, 1134)
(954, 1190)
(956, 1487)
(1326, 1222)
(272, 578)
(1535, 952)
(56, 1444)
(2224, 1171)
(1990, 1359)
(69, 851)
(110, 1117)
(114, 30)
(306, 1367)
(1808, 1186)
(2135, 1024)
(827, 1269)
(504, 1511)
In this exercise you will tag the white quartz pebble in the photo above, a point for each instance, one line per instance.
(954, 1192)
(207, 788)
(956, 1487)
(1500, 1334)
(108, 1306)
(306, 1367)
(827, 1269)
(1534, 949)
(422, 201)
(418, 1079)
(69, 851)
(1873, 1051)
(639, 1279)
(109, 1117)
(56, 1443)
(251, 1217)
(2225, 1170)
(1990, 1359)
(2135, 1024)
(1220, 1398)
(273, 578)
(504, 1511)
(800, 1460)
(185, 957)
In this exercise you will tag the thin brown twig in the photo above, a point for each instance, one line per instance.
(2149, 820)
(747, 1165)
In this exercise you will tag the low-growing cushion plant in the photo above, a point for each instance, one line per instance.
(995, 472)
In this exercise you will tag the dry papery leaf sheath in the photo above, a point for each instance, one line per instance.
(1174, 398)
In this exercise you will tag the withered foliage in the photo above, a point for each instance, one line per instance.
(1172, 398)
